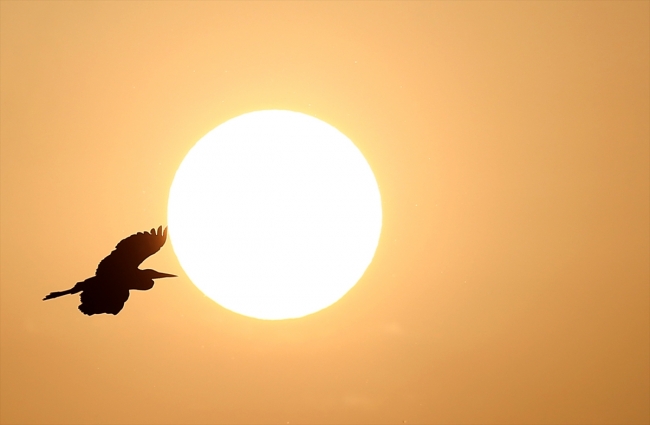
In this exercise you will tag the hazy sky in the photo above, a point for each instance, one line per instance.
(510, 142)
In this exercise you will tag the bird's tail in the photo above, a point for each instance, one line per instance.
(74, 290)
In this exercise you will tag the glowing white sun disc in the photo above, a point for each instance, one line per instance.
(274, 214)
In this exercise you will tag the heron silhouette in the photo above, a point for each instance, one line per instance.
(117, 274)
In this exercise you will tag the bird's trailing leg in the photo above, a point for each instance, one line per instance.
(77, 288)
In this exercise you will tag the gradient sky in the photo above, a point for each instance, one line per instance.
(511, 145)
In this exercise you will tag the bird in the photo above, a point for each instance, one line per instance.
(118, 273)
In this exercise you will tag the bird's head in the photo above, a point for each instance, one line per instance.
(153, 274)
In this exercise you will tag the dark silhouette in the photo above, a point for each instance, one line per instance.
(117, 274)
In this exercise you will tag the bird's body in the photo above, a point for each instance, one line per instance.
(117, 274)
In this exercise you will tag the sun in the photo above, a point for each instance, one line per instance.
(274, 214)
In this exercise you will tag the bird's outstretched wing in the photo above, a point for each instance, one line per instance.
(131, 251)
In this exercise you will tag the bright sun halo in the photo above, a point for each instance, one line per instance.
(274, 214)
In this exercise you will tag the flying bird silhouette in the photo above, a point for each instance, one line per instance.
(117, 274)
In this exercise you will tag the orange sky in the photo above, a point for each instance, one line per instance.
(511, 145)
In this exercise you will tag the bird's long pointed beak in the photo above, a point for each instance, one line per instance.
(161, 275)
